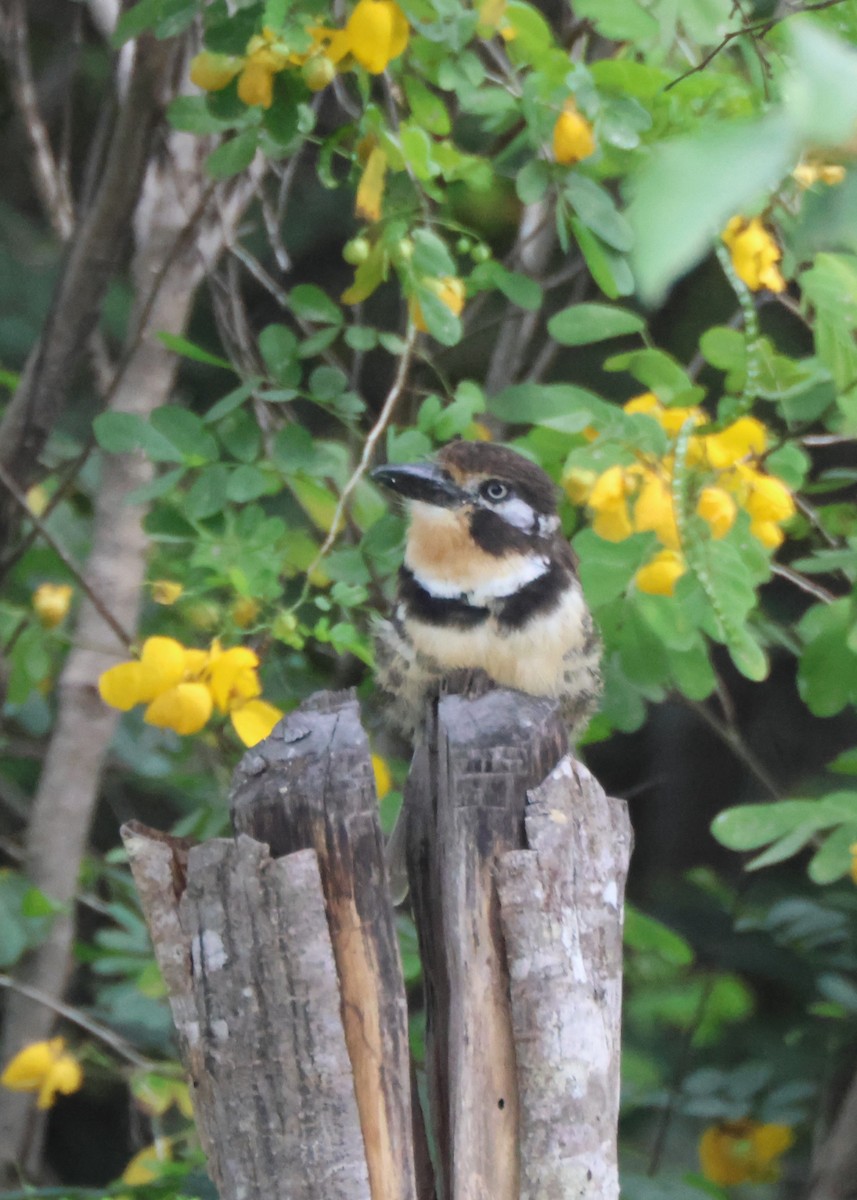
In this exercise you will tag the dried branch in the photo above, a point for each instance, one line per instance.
(94, 251)
(50, 178)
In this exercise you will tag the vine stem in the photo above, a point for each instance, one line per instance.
(372, 438)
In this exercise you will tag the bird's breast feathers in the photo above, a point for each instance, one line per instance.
(530, 656)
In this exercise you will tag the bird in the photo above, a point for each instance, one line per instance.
(489, 584)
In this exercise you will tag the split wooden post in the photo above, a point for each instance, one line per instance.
(280, 957)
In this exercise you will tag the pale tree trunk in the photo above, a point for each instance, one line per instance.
(181, 225)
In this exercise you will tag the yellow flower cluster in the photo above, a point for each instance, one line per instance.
(744, 1151)
(754, 254)
(639, 498)
(376, 32)
(182, 687)
(45, 1068)
(573, 139)
(449, 290)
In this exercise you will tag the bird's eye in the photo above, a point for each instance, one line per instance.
(494, 490)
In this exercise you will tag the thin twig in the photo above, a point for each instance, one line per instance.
(369, 445)
(99, 606)
(805, 585)
(729, 734)
(111, 1039)
(759, 28)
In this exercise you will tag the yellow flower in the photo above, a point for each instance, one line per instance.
(768, 499)
(184, 708)
(654, 511)
(449, 290)
(609, 501)
(754, 253)
(264, 58)
(161, 666)
(37, 499)
(370, 190)
(806, 174)
(165, 591)
(51, 602)
(232, 677)
(45, 1068)
(383, 778)
(377, 32)
(182, 687)
(213, 72)
(578, 483)
(145, 1166)
(658, 577)
(742, 439)
(718, 508)
(244, 612)
(670, 420)
(572, 136)
(744, 1151)
(253, 720)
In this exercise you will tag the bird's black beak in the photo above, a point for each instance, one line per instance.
(425, 482)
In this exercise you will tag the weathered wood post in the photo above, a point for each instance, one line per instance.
(279, 954)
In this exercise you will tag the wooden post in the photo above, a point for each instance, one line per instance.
(280, 957)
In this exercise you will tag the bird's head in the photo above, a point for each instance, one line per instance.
(478, 513)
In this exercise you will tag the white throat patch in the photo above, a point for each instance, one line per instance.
(527, 569)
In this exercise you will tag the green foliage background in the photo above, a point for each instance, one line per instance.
(732, 699)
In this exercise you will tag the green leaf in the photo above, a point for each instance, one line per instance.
(607, 568)
(233, 156)
(119, 432)
(294, 450)
(532, 181)
(561, 406)
(427, 107)
(844, 763)
(122, 433)
(645, 933)
(596, 209)
(186, 431)
(827, 671)
(186, 349)
(207, 494)
(431, 256)
(821, 97)
(310, 303)
(191, 114)
(689, 188)
(833, 858)
(249, 483)
(518, 288)
(441, 321)
(659, 372)
(278, 346)
(232, 400)
(161, 485)
(609, 269)
(581, 324)
(748, 826)
(619, 20)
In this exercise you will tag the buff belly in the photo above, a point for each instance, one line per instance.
(533, 658)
